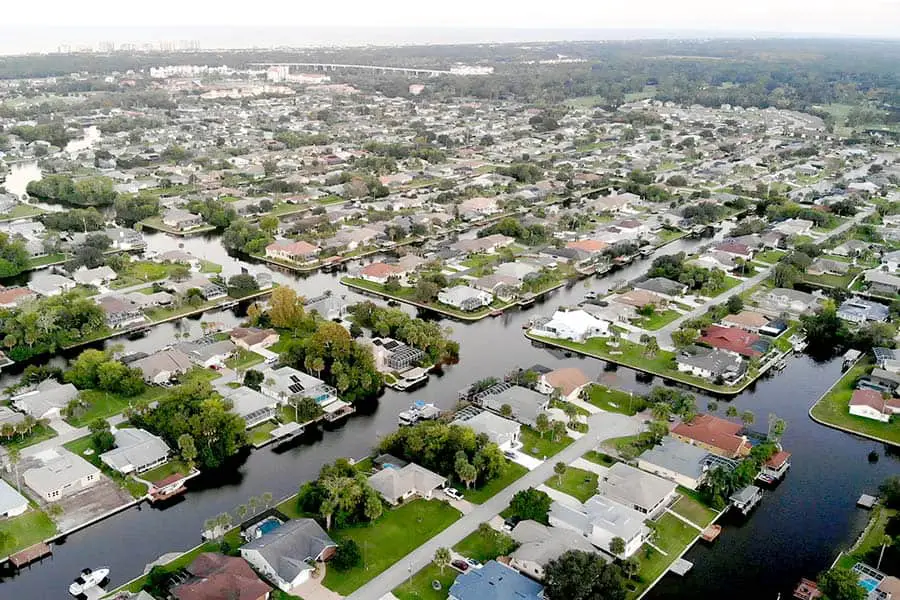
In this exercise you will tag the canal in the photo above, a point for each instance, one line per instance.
(795, 532)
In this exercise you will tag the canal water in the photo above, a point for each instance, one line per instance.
(795, 532)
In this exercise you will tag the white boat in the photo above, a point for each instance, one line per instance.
(590, 295)
(419, 411)
(87, 580)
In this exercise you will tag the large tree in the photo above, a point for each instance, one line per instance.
(840, 584)
(531, 504)
(578, 575)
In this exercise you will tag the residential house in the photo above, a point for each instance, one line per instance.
(519, 271)
(208, 352)
(353, 238)
(662, 287)
(182, 258)
(465, 298)
(500, 286)
(181, 220)
(526, 404)
(871, 404)
(539, 544)
(827, 266)
(46, 400)
(645, 493)
(852, 248)
(792, 227)
(10, 416)
(12, 503)
(747, 320)
(163, 366)
(568, 380)
(713, 259)
(253, 338)
(473, 208)
(135, 451)
(125, 239)
(677, 461)
(715, 435)
(884, 380)
(785, 300)
(391, 355)
(495, 581)
(501, 431)
(284, 383)
(287, 555)
(398, 485)
(576, 325)
(882, 283)
(50, 284)
(590, 247)
(735, 249)
(891, 261)
(210, 291)
(600, 520)
(121, 312)
(13, 297)
(299, 252)
(252, 406)
(216, 577)
(639, 298)
(859, 310)
(144, 301)
(61, 476)
(732, 339)
(483, 245)
(95, 277)
(380, 272)
(711, 364)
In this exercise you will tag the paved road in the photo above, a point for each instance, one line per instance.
(602, 426)
(664, 335)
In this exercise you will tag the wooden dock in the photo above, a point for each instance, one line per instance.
(807, 590)
(711, 533)
(30, 554)
(681, 567)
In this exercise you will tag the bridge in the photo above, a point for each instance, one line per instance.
(376, 68)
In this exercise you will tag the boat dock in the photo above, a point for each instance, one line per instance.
(746, 499)
(866, 501)
(282, 433)
(807, 590)
(711, 533)
(681, 567)
(29, 555)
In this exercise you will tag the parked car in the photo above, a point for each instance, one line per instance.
(453, 493)
(509, 454)
(474, 563)
(460, 565)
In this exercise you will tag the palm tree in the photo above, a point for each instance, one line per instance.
(885, 542)
(560, 469)
(266, 499)
(442, 558)
(747, 417)
(542, 424)
(571, 411)
(731, 411)
(242, 511)
(254, 504)
(15, 455)
(661, 411)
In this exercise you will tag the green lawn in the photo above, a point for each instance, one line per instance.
(620, 443)
(729, 283)
(600, 458)
(22, 211)
(541, 447)
(689, 507)
(207, 266)
(576, 482)
(394, 535)
(405, 294)
(261, 433)
(611, 400)
(165, 470)
(657, 320)
(420, 587)
(180, 562)
(871, 540)
(834, 281)
(43, 261)
(511, 472)
(770, 256)
(142, 271)
(833, 408)
(673, 537)
(82, 444)
(25, 530)
(102, 405)
(38, 434)
(243, 359)
(486, 545)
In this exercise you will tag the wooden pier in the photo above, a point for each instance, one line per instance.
(30, 554)
(711, 533)
(807, 590)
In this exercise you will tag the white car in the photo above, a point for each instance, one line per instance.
(453, 493)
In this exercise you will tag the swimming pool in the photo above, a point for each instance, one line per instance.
(868, 583)
(270, 525)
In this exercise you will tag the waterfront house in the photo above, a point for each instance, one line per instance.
(380, 272)
(465, 298)
(253, 338)
(785, 300)
(677, 461)
(398, 485)
(499, 430)
(483, 245)
(872, 404)
(50, 284)
(882, 283)
(827, 266)
(711, 364)
(568, 380)
(163, 366)
(715, 435)
(600, 520)
(732, 339)
(125, 239)
(662, 287)
(12, 503)
(121, 312)
(182, 258)
(391, 355)
(216, 576)
(95, 277)
(284, 383)
(145, 301)
(645, 493)
(639, 298)
(12, 297)
(575, 325)
(252, 406)
(46, 400)
(526, 404)
(539, 544)
(61, 476)
(208, 352)
(495, 581)
(287, 555)
(520, 271)
(211, 291)
(859, 310)
(883, 380)
(500, 286)
(747, 320)
(776, 467)
(181, 220)
(135, 451)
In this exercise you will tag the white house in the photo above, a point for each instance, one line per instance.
(287, 554)
(645, 493)
(136, 451)
(62, 476)
(12, 503)
(95, 277)
(575, 325)
(871, 405)
(600, 520)
(568, 380)
(465, 298)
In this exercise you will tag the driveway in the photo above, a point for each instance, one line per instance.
(602, 426)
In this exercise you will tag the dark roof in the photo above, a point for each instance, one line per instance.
(216, 576)
(291, 548)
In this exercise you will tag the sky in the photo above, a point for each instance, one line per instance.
(36, 26)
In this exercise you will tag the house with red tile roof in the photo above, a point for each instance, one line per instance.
(379, 272)
(589, 246)
(215, 576)
(736, 250)
(716, 435)
(568, 380)
(733, 339)
(298, 252)
(13, 296)
(871, 404)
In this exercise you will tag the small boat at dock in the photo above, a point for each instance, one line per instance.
(419, 411)
(87, 580)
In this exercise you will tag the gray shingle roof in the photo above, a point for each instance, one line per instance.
(290, 548)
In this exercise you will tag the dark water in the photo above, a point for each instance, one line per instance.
(794, 533)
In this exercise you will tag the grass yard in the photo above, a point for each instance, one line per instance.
(261, 433)
(22, 211)
(599, 458)
(161, 314)
(833, 281)
(165, 470)
(102, 405)
(576, 482)
(243, 359)
(871, 540)
(673, 536)
(620, 443)
(207, 266)
(657, 320)
(408, 295)
(485, 545)
(395, 534)
(612, 400)
(690, 507)
(541, 447)
(27, 529)
(38, 434)
(770, 256)
(142, 271)
(420, 587)
(832, 409)
(43, 261)
(511, 472)
(729, 283)
(83, 444)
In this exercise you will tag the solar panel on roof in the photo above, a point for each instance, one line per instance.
(295, 379)
(296, 388)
